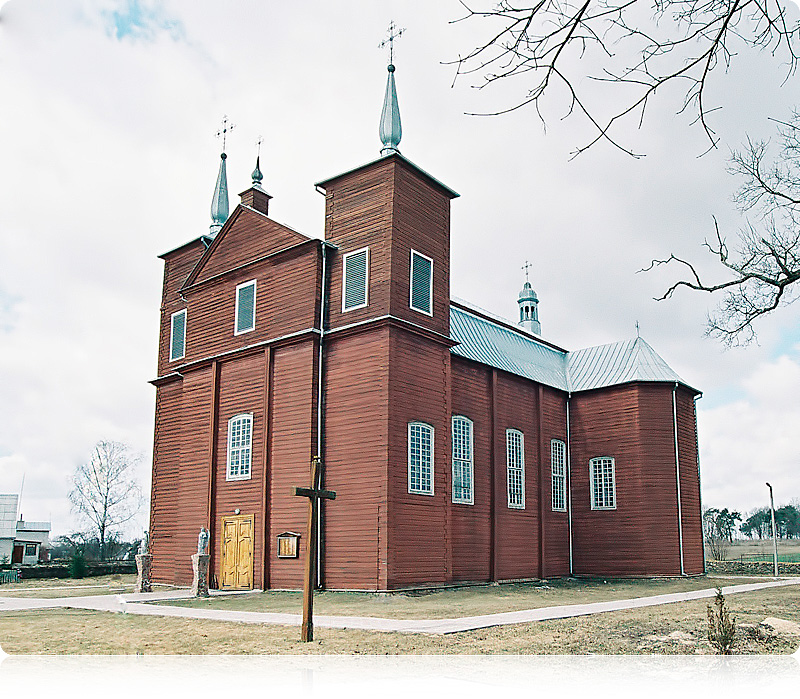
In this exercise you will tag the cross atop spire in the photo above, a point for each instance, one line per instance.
(526, 267)
(394, 33)
(223, 132)
(390, 130)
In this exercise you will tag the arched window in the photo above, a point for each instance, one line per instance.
(420, 458)
(462, 460)
(240, 447)
(515, 468)
(602, 484)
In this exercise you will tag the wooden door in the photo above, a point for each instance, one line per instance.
(236, 566)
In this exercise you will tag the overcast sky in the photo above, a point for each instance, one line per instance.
(107, 130)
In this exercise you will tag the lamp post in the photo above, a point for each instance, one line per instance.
(774, 532)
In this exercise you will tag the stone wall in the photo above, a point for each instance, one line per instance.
(751, 568)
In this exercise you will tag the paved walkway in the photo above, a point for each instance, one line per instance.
(142, 604)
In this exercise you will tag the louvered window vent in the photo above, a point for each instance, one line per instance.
(421, 283)
(245, 307)
(177, 339)
(356, 280)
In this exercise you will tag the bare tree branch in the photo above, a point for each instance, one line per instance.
(664, 41)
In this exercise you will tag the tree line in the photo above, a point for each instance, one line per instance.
(722, 526)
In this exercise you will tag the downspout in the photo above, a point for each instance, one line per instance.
(323, 297)
(569, 490)
(699, 489)
(677, 472)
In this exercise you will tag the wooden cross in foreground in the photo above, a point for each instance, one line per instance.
(314, 493)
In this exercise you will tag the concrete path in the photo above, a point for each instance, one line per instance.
(138, 604)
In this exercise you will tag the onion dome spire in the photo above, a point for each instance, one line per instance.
(390, 130)
(257, 176)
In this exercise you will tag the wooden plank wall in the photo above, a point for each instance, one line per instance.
(165, 480)
(419, 539)
(242, 384)
(690, 483)
(356, 444)
(555, 525)
(290, 453)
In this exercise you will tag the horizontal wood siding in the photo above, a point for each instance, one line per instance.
(286, 302)
(517, 533)
(177, 266)
(195, 440)
(164, 513)
(358, 214)
(242, 383)
(356, 439)
(418, 538)
(290, 454)
(690, 483)
(248, 236)
(471, 385)
(555, 524)
(421, 220)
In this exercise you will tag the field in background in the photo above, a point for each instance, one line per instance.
(761, 550)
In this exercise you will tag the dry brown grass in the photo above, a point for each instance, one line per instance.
(458, 602)
(636, 631)
(48, 588)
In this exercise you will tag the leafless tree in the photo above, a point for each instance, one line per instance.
(105, 492)
(636, 46)
(765, 265)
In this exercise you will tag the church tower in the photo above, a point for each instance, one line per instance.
(528, 310)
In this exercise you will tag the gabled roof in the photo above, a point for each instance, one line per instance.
(235, 240)
(497, 344)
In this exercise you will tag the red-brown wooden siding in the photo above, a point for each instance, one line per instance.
(356, 442)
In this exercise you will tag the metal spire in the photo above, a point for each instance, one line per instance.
(390, 130)
(257, 176)
(219, 203)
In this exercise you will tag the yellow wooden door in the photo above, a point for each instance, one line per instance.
(236, 566)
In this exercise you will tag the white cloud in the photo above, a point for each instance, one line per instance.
(754, 440)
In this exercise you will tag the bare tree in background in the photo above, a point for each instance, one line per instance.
(105, 491)
(636, 46)
(765, 265)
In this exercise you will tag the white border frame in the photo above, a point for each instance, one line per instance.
(433, 436)
(613, 482)
(236, 330)
(564, 475)
(522, 460)
(411, 283)
(471, 500)
(344, 280)
(228, 476)
(172, 334)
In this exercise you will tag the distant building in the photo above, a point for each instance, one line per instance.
(21, 542)
(462, 448)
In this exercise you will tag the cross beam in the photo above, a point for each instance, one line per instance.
(314, 495)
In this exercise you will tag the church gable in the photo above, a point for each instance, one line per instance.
(247, 236)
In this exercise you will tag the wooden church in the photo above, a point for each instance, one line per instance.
(461, 447)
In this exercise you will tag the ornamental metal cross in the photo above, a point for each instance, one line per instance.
(526, 267)
(390, 39)
(223, 132)
(314, 493)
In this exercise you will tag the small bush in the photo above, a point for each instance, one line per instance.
(721, 625)
(77, 565)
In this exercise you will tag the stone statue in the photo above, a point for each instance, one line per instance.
(144, 546)
(202, 541)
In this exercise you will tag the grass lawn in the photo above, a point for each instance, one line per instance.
(678, 628)
(47, 588)
(466, 601)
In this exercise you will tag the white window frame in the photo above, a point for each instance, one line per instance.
(420, 491)
(602, 461)
(461, 465)
(236, 330)
(344, 281)
(411, 284)
(558, 474)
(172, 356)
(248, 417)
(509, 468)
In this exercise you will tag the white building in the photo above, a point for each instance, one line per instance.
(22, 542)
